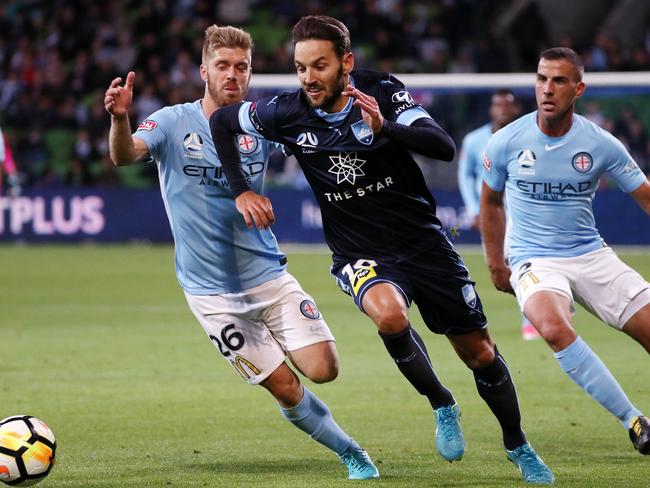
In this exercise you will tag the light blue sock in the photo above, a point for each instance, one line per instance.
(590, 373)
(313, 417)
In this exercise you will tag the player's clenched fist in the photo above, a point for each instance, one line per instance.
(117, 99)
(501, 278)
(256, 209)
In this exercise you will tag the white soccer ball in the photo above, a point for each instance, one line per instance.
(27, 448)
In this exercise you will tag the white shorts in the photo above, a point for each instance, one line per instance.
(254, 329)
(598, 280)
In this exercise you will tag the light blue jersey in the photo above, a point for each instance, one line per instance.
(215, 251)
(551, 182)
(470, 167)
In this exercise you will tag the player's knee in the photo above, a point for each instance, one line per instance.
(479, 358)
(556, 332)
(325, 373)
(390, 318)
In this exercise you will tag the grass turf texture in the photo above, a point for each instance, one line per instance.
(99, 342)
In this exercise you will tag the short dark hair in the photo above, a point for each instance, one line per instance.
(324, 28)
(503, 92)
(565, 53)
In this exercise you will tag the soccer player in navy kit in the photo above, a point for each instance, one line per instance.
(551, 161)
(234, 278)
(351, 133)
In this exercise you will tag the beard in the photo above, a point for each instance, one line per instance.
(221, 98)
(331, 96)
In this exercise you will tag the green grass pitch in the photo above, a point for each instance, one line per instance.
(99, 342)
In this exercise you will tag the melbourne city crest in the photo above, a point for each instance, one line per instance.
(582, 162)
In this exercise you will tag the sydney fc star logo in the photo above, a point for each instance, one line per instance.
(346, 167)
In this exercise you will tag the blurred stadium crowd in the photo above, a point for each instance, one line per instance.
(58, 56)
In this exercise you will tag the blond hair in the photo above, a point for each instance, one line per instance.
(217, 37)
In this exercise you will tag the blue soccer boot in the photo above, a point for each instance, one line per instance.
(359, 464)
(533, 470)
(449, 435)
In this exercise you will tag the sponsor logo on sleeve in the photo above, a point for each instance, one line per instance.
(405, 100)
(255, 119)
(402, 97)
(148, 125)
(487, 164)
(631, 167)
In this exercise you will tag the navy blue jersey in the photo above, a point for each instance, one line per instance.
(372, 194)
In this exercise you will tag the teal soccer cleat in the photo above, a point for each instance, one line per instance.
(532, 468)
(449, 436)
(359, 465)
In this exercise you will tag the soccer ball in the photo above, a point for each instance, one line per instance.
(27, 448)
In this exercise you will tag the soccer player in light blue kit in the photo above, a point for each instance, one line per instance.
(550, 162)
(234, 278)
(503, 110)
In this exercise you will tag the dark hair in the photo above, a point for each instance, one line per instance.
(503, 92)
(565, 53)
(324, 28)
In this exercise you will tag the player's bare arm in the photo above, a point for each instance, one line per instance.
(642, 196)
(493, 227)
(124, 148)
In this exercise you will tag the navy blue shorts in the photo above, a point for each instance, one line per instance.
(436, 280)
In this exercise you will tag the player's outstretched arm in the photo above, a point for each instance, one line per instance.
(642, 196)
(493, 228)
(256, 209)
(124, 149)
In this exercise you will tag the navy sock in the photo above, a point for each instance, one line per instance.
(409, 353)
(497, 389)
